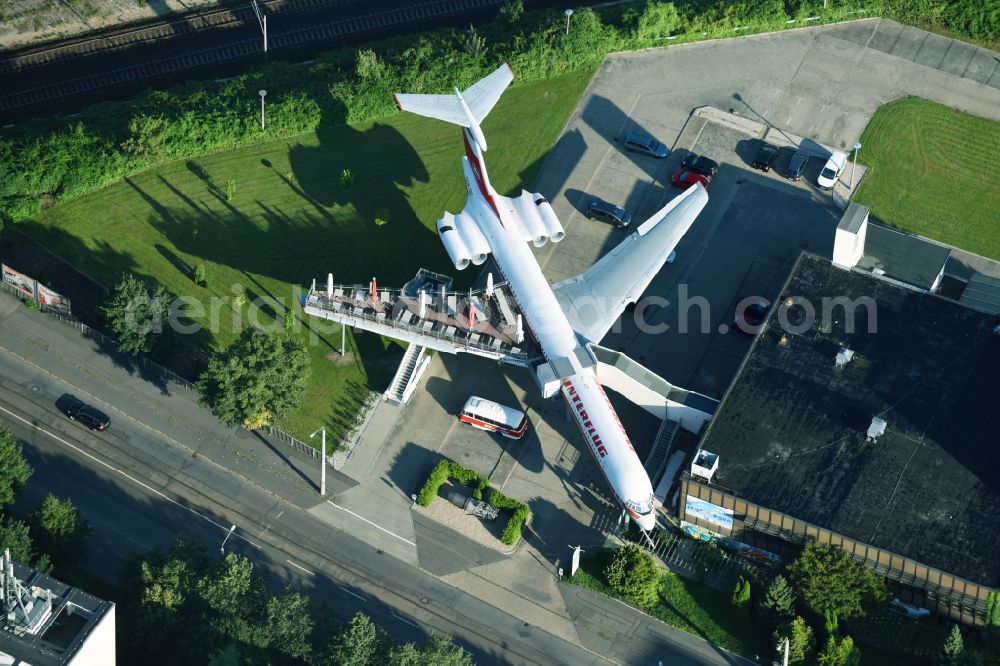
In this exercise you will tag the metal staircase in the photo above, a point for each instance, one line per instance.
(412, 366)
(656, 462)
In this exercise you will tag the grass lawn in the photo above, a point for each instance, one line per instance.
(687, 605)
(934, 172)
(269, 219)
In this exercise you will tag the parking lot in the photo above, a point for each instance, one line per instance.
(820, 84)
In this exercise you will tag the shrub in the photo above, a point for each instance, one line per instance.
(463, 475)
(346, 178)
(18, 207)
(633, 573)
(484, 483)
(741, 600)
(200, 278)
(840, 652)
(434, 482)
(801, 642)
(230, 189)
(512, 530)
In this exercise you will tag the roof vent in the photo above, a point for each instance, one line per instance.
(705, 465)
(844, 356)
(876, 429)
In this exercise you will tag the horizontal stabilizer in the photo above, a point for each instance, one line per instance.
(466, 109)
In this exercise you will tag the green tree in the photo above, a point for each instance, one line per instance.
(290, 623)
(200, 276)
(437, 651)
(16, 537)
(135, 314)
(167, 581)
(656, 22)
(801, 641)
(236, 601)
(58, 529)
(829, 581)
(740, 599)
(360, 642)
(512, 10)
(993, 609)
(633, 573)
(839, 652)
(14, 470)
(259, 377)
(778, 602)
(953, 646)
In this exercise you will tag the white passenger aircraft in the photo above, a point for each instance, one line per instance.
(565, 317)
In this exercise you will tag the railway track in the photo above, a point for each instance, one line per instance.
(133, 57)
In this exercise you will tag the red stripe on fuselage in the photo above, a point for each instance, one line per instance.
(480, 181)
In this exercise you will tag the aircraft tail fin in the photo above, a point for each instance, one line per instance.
(466, 109)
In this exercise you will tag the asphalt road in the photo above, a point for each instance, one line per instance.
(138, 493)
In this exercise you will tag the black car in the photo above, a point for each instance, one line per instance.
(647, 145)
(766, 155)
(796, 166)
(605, 212)
(700, 164)
(89, 416)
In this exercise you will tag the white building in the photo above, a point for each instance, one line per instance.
(46, 622)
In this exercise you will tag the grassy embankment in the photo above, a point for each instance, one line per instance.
(686, 605)
(934, 172)
(291, 219)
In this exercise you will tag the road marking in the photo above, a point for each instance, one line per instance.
(373, 524)
(300, 568)
(125, 474)
(403, 619)
(358, 596)
(263, 531)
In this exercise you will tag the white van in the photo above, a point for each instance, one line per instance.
(831, 170)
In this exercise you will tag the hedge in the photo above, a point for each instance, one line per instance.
(446, 469)
(60, 157)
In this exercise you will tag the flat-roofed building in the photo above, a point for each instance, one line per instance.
(49, 623)
(884, 442)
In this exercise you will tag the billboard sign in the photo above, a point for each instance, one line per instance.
(699, 508)
(52, 300)
(19, 281)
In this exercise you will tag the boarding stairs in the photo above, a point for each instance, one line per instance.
(656, 462)
(414, 362)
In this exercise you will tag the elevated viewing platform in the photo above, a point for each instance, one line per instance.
(427, 312)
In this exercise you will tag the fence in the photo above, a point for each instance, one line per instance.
(156, 369)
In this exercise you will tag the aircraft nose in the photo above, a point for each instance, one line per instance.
(648, 521)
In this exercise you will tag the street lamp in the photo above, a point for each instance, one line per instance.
(222, 548)
(569, 12)
(262, 93)
(854, 165)
(261, 21)
(322, 474)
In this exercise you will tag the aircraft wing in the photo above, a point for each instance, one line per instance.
(442, 107)
(595, 299)
(483, 95)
